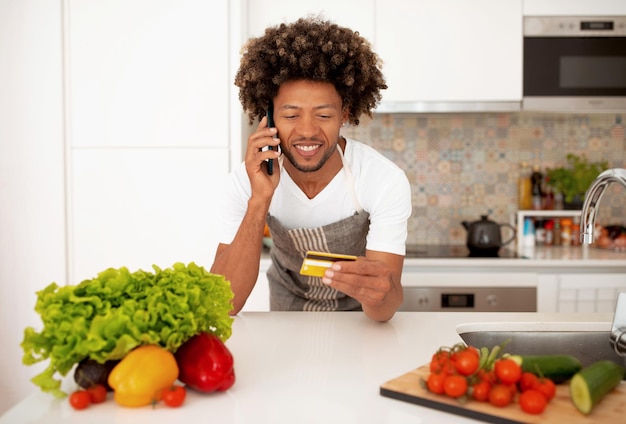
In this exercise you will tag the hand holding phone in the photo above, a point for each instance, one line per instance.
(270, 124)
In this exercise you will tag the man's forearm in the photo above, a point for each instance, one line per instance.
(239, 261)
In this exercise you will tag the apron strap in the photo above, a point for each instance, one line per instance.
(349, 180)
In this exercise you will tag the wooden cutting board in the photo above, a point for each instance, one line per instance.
(560, 410)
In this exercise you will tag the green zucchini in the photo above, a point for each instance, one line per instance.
(558, 368)
(591, 384)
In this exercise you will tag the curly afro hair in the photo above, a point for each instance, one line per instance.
(310, 49)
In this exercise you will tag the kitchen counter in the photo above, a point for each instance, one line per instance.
(537, 258)
(303, 367)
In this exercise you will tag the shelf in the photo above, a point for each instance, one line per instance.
(523, 214)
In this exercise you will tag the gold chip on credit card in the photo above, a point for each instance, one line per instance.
(315, 263)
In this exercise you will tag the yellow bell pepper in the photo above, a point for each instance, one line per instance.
(142, 374)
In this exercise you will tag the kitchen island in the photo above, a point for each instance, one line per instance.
(304, 367)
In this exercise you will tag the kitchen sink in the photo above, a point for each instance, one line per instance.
(587, 341)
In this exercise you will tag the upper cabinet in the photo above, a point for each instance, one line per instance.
(438, 53)
(358, 16)
(148, 73)
(574, 7)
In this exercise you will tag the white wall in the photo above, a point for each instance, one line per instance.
(32, 239)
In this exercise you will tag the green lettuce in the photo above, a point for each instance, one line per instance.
(106, 317)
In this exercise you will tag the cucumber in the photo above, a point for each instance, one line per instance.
(558, 368)
(591, 384)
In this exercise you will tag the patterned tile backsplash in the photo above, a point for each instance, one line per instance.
(462, 166)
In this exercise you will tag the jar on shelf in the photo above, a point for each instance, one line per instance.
(549, 228)
(557, 232)
(540, 232)
(566, 231)
(576, 231)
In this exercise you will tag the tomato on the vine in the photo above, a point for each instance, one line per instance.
(79, 399)
(480, 391)
(546, 387)
(455, 385)
(527, 381)
(97, 393)
(508, 371)
(466, 362)
(435, 383)
(533, 402)
(487, 375)
(174, 396)
(500, 395)
(441, 362)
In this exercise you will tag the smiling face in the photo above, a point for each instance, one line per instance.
(308, 116)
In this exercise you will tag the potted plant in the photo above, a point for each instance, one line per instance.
(573, 180)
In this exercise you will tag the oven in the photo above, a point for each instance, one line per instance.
(467, 289)
(574, 63)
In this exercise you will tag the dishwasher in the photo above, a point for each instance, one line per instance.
(489, 291)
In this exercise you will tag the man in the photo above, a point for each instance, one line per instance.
(326, 193)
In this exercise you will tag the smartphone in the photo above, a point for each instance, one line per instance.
(270, 124)
(315, 263)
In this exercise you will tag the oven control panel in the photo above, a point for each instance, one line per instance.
(464, 299)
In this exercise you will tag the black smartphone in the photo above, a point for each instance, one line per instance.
(270, 124)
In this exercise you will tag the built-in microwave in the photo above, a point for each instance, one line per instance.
(574, 63)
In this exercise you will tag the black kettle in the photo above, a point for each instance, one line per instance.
(484, 236)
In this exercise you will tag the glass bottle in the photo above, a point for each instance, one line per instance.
(557, 232)
(524, 186)
(536, 180)
(548, 198)
(549, 227)
(540, 233)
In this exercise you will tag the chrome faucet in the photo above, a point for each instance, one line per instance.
(592, 199)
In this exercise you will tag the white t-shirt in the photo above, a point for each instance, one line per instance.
(382, 189)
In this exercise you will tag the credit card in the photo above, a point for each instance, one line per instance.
(315, 263)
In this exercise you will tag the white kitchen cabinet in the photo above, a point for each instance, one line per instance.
(148, 73)
(148, 109)
(450, 51)
(139, 207)
(579, 293)
(574, 7)
(590, 292)
(358, 16)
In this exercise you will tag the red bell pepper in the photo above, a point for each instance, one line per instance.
(205, 363)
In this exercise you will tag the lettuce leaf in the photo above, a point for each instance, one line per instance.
(106, 317)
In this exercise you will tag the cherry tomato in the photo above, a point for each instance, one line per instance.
(527, 381)
(97, 393)
(435, 383)
(489, 376)
(508, 371)
(466, 362)
(480, 391)
(546, 387)
(500, 395)
(174, 396)
(79, 399)
(532, 402)
(441, 362)
(455, 385)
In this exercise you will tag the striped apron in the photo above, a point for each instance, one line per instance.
(290, 291)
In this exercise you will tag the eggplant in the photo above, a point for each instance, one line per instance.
(90, 372)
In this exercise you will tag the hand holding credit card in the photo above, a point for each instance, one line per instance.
(315, 263)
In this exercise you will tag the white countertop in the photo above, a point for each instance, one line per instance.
(537, 258)
(303, 367)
